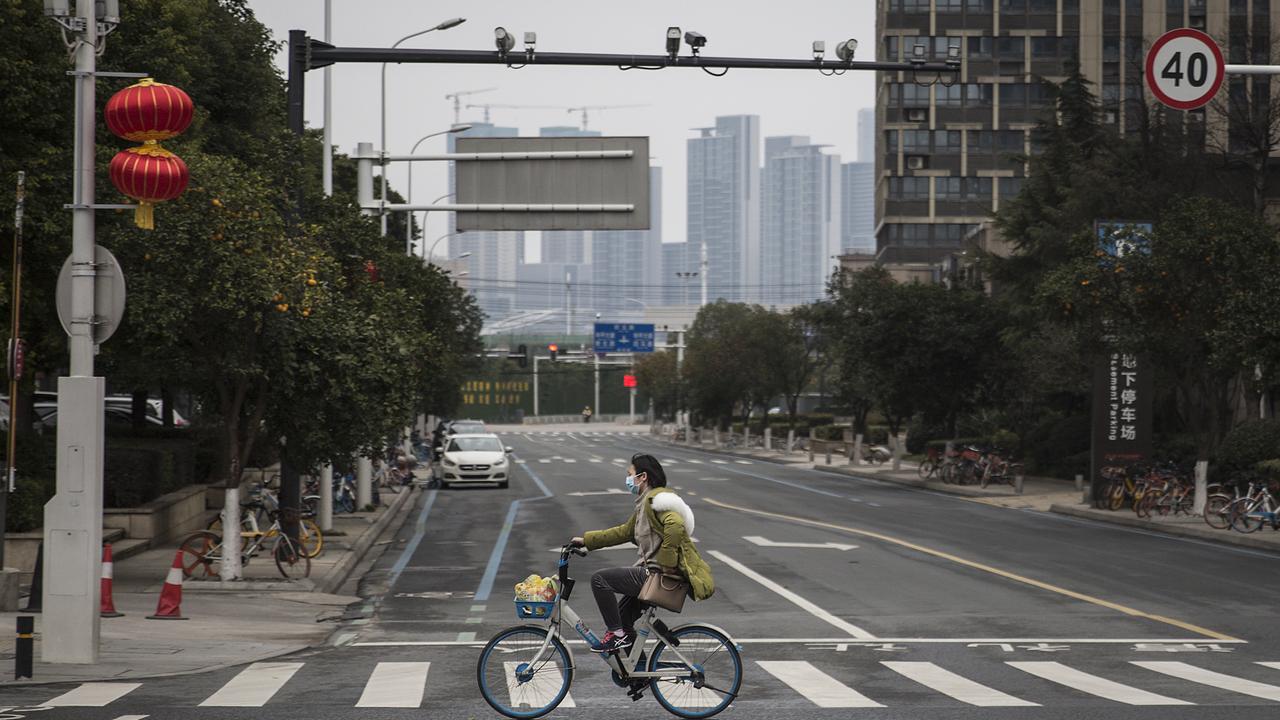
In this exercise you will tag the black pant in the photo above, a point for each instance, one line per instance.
(607, 584)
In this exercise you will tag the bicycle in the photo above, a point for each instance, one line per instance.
(1256, 510)
(533, 666)
(261, 506)
(205, 549)
(998, 469)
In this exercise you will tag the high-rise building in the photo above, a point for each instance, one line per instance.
(867, 135)
(495, 256)
(627, 264)
(566, 246)
(680, 282)
(800, 220)
(947, 158)
(858, 207)
(724, 205)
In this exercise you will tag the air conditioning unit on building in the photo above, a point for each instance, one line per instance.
(1110, 117)
(917, 115)
(915, 162)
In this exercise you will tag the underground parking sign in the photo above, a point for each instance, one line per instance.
(1184, 69)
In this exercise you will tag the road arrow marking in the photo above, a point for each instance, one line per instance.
(764, 542)
(610, 491)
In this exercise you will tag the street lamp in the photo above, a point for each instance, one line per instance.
(432, 252)
(408, 226)
(451, 23)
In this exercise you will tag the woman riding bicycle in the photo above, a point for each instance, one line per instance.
(661, 527)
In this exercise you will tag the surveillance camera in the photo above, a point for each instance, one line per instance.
(503, 40)
(696, 40)
(673, 40)
(530, 39)
(819, 49)
(917, 54)
(846, 49)
(953, 55)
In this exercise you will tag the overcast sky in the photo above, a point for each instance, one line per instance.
(788, 102)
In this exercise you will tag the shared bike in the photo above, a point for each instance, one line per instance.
(694, 670)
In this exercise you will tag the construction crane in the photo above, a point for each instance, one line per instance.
(584, 110)
(486, 106)
(456, 97)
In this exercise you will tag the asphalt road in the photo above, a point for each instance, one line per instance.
(900, 603)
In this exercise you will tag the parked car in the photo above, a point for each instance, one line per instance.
(471, 459)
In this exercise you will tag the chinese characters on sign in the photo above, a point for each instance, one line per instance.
(623, 337)
(1121, 411)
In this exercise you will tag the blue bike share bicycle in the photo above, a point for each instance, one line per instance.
(694, 670)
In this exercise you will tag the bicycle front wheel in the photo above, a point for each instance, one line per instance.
(519, 681)
(310, 537)
(927, 468)
(201, 555)
(1247, 516)
(717, 668)
(291, 561)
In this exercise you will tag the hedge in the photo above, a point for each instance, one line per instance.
(1247, 445)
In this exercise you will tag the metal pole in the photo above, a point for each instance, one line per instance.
(568, 308)
(328, 104)
(15, 343)
(596, 396)
(535, 385)
(73, 518)
(326, 498)
(364, 483)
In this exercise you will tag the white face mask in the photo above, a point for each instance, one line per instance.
(632, 484)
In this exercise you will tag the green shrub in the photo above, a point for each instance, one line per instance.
(1247, 445)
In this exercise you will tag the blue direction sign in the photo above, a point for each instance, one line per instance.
(623, 337)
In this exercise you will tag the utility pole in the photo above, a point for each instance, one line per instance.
(595, 408)
(535, 384)
(568, 307)
(328, 104)
(73, 518)
(15, 355)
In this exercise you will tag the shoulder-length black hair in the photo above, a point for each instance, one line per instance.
(652, 469)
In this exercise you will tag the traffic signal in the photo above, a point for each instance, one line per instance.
(522, 356)
(553, 349)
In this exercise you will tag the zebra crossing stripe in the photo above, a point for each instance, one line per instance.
(670, 461)
(395, 684)
(570, 460)
(1094, 685)
(544, 460)
(133, 717)
(1183, 671)
(595, 460)
(539, 691)
(816, 686)
(960, 688)
(254, 686)
(1272, 665)
(93, 695)
(720, 462)
(743, 462)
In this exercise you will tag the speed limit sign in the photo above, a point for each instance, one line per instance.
(1184, 69)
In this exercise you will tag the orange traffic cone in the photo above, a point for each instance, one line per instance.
(108, 605)
(171, 593)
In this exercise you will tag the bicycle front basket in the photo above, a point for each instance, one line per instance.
(534, 609)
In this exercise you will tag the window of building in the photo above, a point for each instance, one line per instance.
(946, 141)
(1011, 95)
(1044, 48)
(915, 141)
(1070, 7)
(978, 6)
(1011, 187)
(941, 46)
(891, 45)
(1013, 6)
(977, 95)
(949, 6)
(977, 189)
(1009, 48)
(1110, 49)
(1039, 95)
(980, 48)
(891, 140)
(949, 96)
(1044, 7)
(948, 189)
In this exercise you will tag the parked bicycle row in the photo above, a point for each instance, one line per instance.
(970, 465)
(1163, 489)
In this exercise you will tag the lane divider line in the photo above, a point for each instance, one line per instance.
(419, 530)
(836, 641)
(983, 567)
(797, 600)
(499, 547)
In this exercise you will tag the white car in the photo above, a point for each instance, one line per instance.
(475, 458)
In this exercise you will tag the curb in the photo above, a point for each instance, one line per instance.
(727, 453)
(1208, 534)
(337, 575)
(247, 660)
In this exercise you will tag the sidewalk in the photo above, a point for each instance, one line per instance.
(261, 617)
(1180, 526)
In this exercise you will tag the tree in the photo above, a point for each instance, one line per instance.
(657, 376)
(795, 352)
(1201, 304)
(718, 370)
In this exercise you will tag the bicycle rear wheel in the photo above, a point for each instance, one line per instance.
(291, 561)
(1247, 516)
(928, 467)
(310, 538)
(201, 553)
(717, 666)
(510, 681)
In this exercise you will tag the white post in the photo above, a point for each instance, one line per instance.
(326, 499)
(768, 438)
(810, 444)
(595, 408)
(328, 104)
(856, 458)
(715, 437)
(896, 445)
(633, 406)
(791, 440)
(73, 518)
(1202, 481)
(230, 569)
(364, 176)
(535, 385)
(746, 435)
(1080, 488)
(364, 483)
(406, 445)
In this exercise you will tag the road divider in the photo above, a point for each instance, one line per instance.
(1040, 584)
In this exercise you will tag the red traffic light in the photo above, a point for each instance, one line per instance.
(553, 347)
(629, 381)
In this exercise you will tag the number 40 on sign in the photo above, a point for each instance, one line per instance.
(1185, 69)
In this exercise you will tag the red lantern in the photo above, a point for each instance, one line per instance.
(149, 111)
(149, 174)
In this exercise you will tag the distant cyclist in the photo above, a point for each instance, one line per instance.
(661, 526)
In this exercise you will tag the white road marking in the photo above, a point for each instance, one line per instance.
(960, 688)
(743, 462)
(720, 462)
(816, 686)
(610, 491)
(133, 717)
(521, 462)
(765, 542)
(93, 695)
(1094, 685)
(1273, 665)
(466, 637)
(544, 460)
(1184, 671)
(620, 461)
(595, 460)
(254, 686)
(800, 602)
(570, 460)
(838, 640)
(695, 462)
(669, 461)
(539, 691)
(395, 685)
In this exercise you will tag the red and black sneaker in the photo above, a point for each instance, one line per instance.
(619, 642)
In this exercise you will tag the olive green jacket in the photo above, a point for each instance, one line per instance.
(677, 550)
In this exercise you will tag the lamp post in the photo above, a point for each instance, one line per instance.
(424, 214)
(451, 23)
(408, 194)
(431, 254)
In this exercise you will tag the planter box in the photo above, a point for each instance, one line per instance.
(20, 551)
(166, 518)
